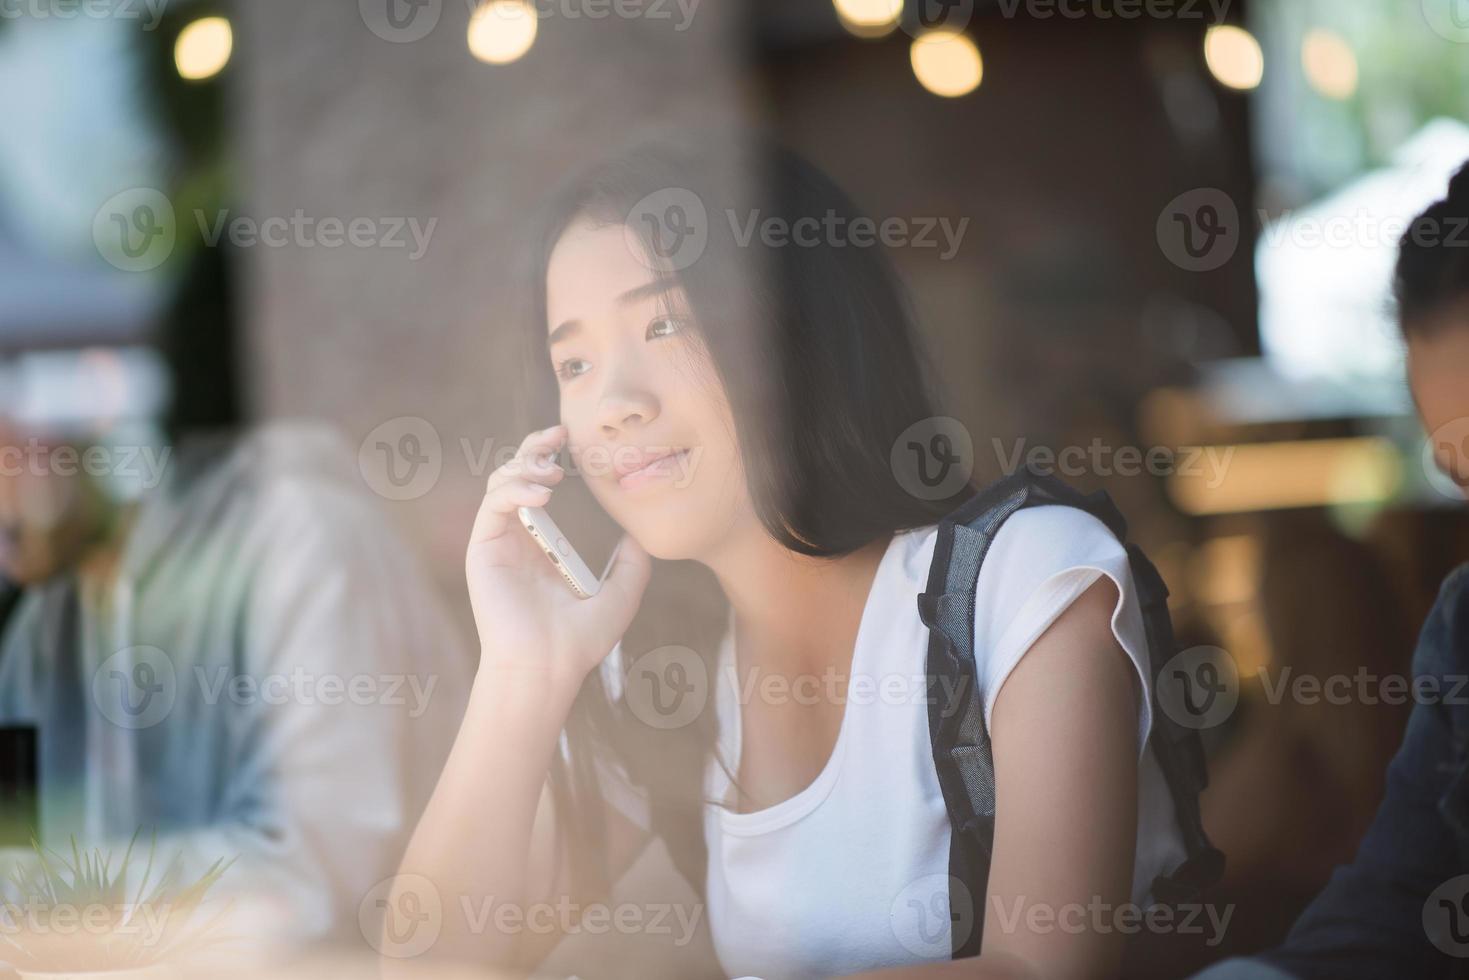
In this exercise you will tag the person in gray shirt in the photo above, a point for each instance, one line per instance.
(245, 660)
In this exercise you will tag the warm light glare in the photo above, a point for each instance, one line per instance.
(501, 31)
(869, 18)
(203, 48)
(947, 63)
(1233, 56)
(1329, 63)
(1281, 475)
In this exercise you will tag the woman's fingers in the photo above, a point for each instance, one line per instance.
(534, 457)
(495, 509)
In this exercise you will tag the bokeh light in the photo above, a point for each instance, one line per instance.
(869, 18)
(203, 48)
(947, 63)
(502, 31)
(1234, 56)
(1329, 64)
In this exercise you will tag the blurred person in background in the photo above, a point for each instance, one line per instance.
(1401, 907)
(245, 661)
(1292, 791)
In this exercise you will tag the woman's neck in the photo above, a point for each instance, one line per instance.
(792, 610)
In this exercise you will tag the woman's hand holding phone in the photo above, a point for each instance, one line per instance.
(530, 624)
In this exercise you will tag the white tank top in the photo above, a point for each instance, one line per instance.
(851, 873)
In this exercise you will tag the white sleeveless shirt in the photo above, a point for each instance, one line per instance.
(851, 873)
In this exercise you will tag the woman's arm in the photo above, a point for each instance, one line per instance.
(485, 853)
(1064, 734)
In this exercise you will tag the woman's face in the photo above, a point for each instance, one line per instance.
(636, 384)
(1438, 372)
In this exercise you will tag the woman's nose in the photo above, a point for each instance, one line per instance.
(626, 408)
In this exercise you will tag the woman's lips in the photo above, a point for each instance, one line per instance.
(658, 468)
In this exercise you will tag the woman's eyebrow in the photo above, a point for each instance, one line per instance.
(565, 331)
(656, 287)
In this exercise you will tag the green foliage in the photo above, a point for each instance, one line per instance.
(73, 914)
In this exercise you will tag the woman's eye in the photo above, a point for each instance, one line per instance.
(665, 325)
(571, 368)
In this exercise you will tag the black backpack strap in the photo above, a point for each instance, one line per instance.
(1178, 749)
(960, 743)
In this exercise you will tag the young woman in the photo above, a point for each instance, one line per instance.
(781, 369)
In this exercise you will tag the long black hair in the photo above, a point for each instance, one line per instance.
(815, 345)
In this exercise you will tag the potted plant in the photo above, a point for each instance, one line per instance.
(71, 918)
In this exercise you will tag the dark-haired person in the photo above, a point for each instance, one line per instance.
(781, 376)
(1401, 908)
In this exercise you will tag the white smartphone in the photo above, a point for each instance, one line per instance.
(573, 514)
(558, 549)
